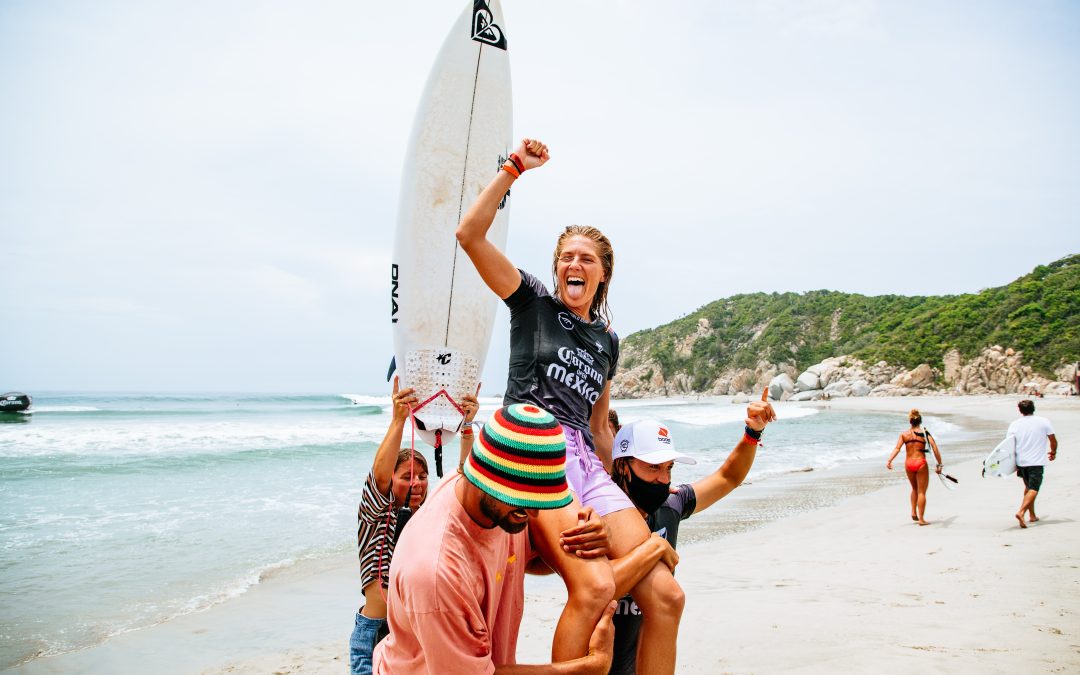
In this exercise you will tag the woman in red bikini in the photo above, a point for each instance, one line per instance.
(917, 441)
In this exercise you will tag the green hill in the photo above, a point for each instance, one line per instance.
(1038, 313)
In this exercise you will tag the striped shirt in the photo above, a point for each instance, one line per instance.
(374, 535)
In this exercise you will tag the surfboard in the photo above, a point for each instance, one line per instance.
(441, 311)
(948, 481)
(1002, 459)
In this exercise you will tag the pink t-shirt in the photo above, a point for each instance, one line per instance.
(456, 593)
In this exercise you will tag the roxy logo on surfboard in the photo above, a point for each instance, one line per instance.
(484, 28)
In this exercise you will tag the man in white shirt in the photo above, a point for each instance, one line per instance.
(1032, 434)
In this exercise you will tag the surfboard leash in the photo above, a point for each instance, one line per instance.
(438, 432)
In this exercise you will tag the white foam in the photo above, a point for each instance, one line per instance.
(708, 414)
(363, 399)
(619, 404)
(183, 436)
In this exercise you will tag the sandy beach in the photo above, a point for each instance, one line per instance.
(852, 586)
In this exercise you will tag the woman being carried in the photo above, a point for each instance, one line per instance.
(562, 358)
(917, 441)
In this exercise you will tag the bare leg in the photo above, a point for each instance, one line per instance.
(914, 493)
(923, 481)
(1028, 504)
(590, 584)
(658, 595)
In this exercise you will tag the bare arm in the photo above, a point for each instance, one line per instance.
(632, 567)
(596, 662)
(386, 455)
(895, 452)
(601, 432)
(470, 405)
(731, 473)
(729, 476)
(1053, 446)
(494, 267)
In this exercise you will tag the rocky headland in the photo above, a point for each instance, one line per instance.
(997, 370)
(1023, 337)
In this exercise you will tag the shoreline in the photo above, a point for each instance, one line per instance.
(731, 558)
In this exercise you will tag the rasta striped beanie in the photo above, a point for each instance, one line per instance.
(520, 458)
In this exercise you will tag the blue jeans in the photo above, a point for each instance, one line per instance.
(365, 635)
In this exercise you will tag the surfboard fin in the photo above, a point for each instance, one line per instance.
(393, 367)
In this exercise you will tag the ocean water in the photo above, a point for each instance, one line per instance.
(121, 511)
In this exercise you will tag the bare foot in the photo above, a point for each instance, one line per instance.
(1020, 519)
(923, 522)
(1032, 519)
(914, 517)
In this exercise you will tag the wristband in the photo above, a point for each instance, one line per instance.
(467, 431)
(747, 438)
(753, 433)
(511, 168)
(520, 165)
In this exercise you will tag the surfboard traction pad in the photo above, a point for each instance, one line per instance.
(439, 372)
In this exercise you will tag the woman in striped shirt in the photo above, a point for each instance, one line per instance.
(398, 476)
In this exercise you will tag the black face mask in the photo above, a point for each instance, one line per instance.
(647, 496)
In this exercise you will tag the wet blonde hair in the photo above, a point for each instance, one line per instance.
(914, 417)
(606, 254)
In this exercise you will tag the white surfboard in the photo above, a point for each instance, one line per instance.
(442, 312)
(1002, 459)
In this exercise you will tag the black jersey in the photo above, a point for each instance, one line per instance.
(627, 619)
(558, 361)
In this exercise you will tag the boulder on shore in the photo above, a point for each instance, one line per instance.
(780, 385)
(808, 381)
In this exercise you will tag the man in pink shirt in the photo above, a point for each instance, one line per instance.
(456, 592)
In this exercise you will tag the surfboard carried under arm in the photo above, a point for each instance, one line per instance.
(1002, 459)
(442, 312)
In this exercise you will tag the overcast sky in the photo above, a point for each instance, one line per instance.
(200, 196)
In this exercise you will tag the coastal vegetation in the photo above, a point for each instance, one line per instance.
(1038, 314)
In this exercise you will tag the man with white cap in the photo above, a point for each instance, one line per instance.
(643, 456)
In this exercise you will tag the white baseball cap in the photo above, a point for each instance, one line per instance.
(649, 441)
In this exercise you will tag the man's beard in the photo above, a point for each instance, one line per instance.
(489, 506)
